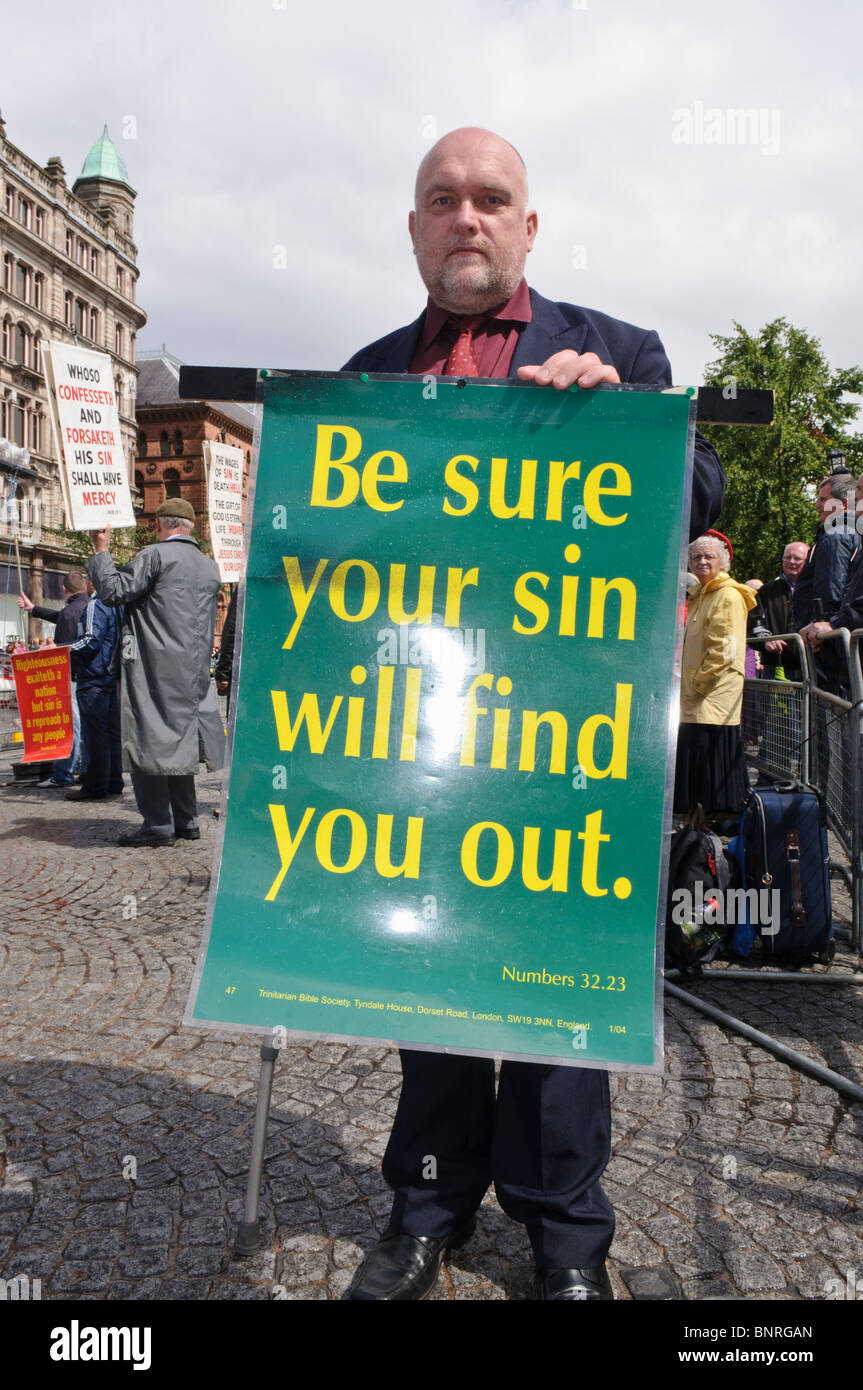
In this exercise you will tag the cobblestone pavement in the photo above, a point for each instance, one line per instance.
(732, 1176)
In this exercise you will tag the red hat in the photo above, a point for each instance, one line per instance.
(725, 541)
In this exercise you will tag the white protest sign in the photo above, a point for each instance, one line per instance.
(86, 424)
(225, 506)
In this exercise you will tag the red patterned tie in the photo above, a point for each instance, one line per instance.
(462, 360)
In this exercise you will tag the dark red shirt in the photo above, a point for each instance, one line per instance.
(493, 342)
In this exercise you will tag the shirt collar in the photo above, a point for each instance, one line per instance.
(516, 310)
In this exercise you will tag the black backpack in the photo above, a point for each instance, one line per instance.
(697, 868)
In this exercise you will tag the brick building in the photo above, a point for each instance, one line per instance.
(169, 458)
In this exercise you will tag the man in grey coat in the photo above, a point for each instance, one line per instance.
(169, 711)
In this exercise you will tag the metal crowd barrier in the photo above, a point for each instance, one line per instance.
(806, 732)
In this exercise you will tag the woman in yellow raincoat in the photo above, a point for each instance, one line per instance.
(711, 768)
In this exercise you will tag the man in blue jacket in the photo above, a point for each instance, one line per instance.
(544, 1139)
(96, 670)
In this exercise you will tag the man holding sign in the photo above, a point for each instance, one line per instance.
(545, 1138)
(169, 712)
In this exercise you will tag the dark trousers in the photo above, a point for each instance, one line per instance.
(101, 749)
(544, 1141)
(166, 803)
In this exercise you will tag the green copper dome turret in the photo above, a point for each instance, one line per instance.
(105, 162)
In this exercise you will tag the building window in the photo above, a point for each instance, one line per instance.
(22, 281)
(7, 340)
(22, 345)
(23, 211)
(119, 343)
(172, 482)
(10, 200)
(178, 443)
(139, 481)
(120, 278)
(37, 353)
(69, 310)
(40, 221)
(94, 325)
(19, 423)
(164, 445)
(94, 261)
(8, 272)
(70, 245)
(37, 432)
(142, 445)
(39, 290)
(80, 317)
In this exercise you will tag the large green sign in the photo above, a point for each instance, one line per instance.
(455, 712)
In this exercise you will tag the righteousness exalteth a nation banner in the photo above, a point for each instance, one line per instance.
(454, 720)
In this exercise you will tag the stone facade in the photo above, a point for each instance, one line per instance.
(69, 271)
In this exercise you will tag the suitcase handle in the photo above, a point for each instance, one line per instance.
(766, 877)
(792, 853)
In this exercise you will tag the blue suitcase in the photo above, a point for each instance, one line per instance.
(783, 856)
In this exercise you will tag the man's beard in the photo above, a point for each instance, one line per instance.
(474, 287)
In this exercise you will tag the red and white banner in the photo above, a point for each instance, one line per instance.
(86, 424)
(224, 464)
(44, 689)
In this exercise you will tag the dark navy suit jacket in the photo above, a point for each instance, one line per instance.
(636, 353)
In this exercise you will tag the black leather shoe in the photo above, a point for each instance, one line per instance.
(137, 839)
(585, 1285)
(403, 1267)
(190, 834)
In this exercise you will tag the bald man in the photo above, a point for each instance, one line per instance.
(544, 1139)
(774, 610)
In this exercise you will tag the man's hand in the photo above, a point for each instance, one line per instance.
(566, 368)
(101, 539)
(813, 634)
(774, 646)
(24, 602)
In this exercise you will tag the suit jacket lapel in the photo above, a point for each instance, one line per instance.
(400, 348)
(548, 332)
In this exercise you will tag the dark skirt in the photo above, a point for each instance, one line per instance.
(711, 768)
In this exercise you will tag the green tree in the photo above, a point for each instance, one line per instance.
(772, 473)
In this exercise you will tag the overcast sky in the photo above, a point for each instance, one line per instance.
(252, 125)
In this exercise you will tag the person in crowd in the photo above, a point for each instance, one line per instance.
(225, 662)
(544, 1137)
(170, 715)
(849, 614)
(754, 628)
(821, 585)
(711, 768)
(66, 620)
(95, 658)
(775, 612)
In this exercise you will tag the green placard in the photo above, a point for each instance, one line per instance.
(455, 711)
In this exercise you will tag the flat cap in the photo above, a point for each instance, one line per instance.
(176, 506)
